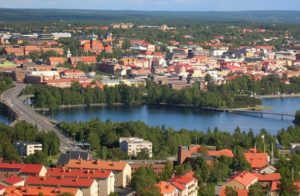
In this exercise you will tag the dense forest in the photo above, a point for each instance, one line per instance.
(23, 131)
(233, 94)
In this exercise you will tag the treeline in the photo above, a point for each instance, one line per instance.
(105, 136)
(53, 98)
(23, 131)
(271, 84)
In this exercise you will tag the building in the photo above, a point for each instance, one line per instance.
(88, 60)
(75, 74)
(8, 169)
(27, 148)
(158, 166)
(121, 169)
(13, 181)
(242, 181)
(167, 189)
(55, 61)
(256, 159)
(37, 191)
(104, 178)
(57, 36)
(186, 185)
(132, 146)
(64, 158)
(89, 187)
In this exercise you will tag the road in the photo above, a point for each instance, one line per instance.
(26, 113)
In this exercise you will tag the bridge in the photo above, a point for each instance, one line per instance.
(24, 112)
(260, 113)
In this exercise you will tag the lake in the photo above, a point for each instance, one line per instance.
(188, 118)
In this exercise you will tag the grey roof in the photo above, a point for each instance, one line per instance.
(64, 158)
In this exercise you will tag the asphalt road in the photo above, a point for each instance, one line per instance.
(26, 113)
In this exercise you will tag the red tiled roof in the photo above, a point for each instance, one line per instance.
(13, 180)
(89, 59)
(240, 192)
(178, 186)
(218, 153)
(2, 187)
(267, 177)
(32, 168)
(63, 182)
(184, 179)
(275, 185)
(245, 178)
(257, 160)
(99, 164)
(97, 174)
(24, 168)
(165, 188)
(36, 191)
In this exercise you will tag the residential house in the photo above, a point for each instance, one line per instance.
(22, 169)
(257, 160)
(242, 181)
(89, 187)
(166, 189)
(28, 148)
(88, 60)
(55, 61)
(186, 185)
(13, 181)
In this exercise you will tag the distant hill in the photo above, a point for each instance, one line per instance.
(149, 17)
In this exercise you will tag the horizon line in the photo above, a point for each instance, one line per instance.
(154, 10)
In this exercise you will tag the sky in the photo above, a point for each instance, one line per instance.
(157, 5)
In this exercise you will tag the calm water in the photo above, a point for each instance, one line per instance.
(178, 118)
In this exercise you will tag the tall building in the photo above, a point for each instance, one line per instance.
(132, 145)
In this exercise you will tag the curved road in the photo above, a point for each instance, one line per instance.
(26, 113)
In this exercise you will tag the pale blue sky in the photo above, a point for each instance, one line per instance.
(180, 5)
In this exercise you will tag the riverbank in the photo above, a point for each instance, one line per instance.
(276, 96)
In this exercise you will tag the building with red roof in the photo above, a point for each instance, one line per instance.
(2, 189)
(121, 170)
(88, 186)
(54, 61)
(186, 184)
(73, 73)
(256, 159)
(88, 60)
(37, 191)
(219, 153)
(240, 192)
(23, 169)
(167, 189)
(242, 180)
(13, 181)
(104, 178)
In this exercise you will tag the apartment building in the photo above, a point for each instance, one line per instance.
(120, 169)
(133, 145)
(27, 148)
(104, 178)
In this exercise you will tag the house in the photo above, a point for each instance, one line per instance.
(166, 189)
(74, 74)
(54, 61)
(27, 148)
(89, 187)
(242, 181)
(267, 180)
(184, 152)
(17, 51)
(74, 60)
(256, 159)
(186, 184)
(158, 166)
(219, 153)
(22, 169)
(13, 181)
(132, 146)
(121, 169)
(104, 178)
(94, 46)
(37, 191)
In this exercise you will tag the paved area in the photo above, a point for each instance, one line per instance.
(26, 113)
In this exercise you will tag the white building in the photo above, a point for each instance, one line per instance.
(61, 35)
(27, 148)
(133, 145)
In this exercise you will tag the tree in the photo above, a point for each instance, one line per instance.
(144, 182)
(168, 171)
(239, 161)
(297, 118)
(229, 191)
(143, 154)
(256, 190)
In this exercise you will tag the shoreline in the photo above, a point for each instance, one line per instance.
(276, 96)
